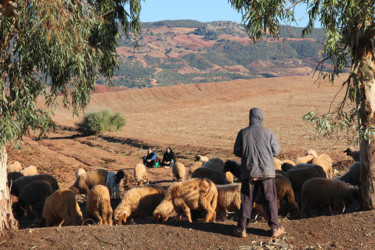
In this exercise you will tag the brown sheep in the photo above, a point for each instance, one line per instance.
(21, 182)
(14, 166)
(278, 163)
(98, 205)
(322, 192)
(354, 154)
(229, 197)
(197, 194)
(353, 176)
(289, 162)
(88, 180)
(32, 198)
(140, 174)
(30, 170)
(139, 202)
(325, 162)
(61, 208)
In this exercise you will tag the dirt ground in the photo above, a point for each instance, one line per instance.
(193, 119)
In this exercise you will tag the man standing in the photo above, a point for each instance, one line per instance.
(257, 145)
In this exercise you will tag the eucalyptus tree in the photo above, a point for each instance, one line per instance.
(350, 31)
(51, 48)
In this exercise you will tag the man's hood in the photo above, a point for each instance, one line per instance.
(256, 116)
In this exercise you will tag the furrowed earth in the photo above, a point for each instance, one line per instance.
(192, 119)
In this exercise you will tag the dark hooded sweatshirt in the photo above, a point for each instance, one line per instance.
(256, 145)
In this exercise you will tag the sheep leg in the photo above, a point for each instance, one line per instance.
(260, 209)
(186, 210)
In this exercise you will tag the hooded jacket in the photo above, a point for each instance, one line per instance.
(256, 145)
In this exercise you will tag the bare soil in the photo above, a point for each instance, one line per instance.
(192, 119)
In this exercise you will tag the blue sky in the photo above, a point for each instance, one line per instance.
(200, 10)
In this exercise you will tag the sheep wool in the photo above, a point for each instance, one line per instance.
(61, 209)
(30, 170)
(197, 194)
(21, 182)
(98, 205)
(321, 192)
(178, 170)
(140, 174)
(86, 181)
(14, 166)
(139, 202)
(325, 162)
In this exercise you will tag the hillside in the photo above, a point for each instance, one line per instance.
(187, 51)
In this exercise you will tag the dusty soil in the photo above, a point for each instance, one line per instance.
(193, 119)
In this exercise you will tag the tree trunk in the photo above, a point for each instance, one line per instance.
(363, 71)
(7, 220)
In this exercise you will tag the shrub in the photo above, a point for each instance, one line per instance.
(94, 123)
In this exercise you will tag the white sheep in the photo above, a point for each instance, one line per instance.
(61, 208)
(178, 170)
(30, 170)
(139, 202)
(140, 174)
(98, 205)
(86, 181)
(113, 183)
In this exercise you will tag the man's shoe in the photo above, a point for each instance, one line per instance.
(239, 232)
(278, 232)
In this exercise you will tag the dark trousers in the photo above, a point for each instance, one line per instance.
(249, 189)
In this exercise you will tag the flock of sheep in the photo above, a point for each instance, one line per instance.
(208, 185)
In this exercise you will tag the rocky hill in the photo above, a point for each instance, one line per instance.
(188, 51)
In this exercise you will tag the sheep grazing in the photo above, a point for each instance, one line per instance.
(80, 171)
(215, 176)
(139, 202)
(98, 205)
(140, 174)
(325, 162)
(178, 170)
(287, 166)
(88, 180)
(201, 158)
(61, 208)
(303, 172)
(12, 176)
(229, 197)
(354, 154)
(14, 166)
(30, 170)
(21, 182)
(32, 198)
(353, 176)
(197, 194)
(309, 156)
(113, 183)
(322, 192)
